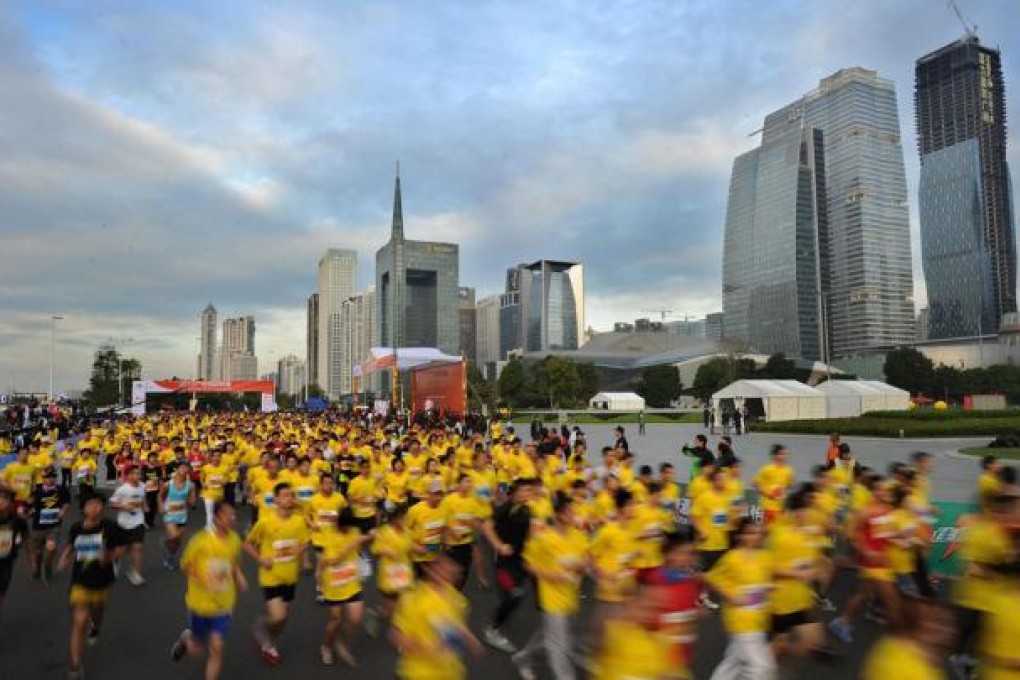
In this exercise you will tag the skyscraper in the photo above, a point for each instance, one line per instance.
(468, 323)
(487, 331)
(543, 307)
(968, 242)
(237, 353)
(290, 375)
(357, 315)
(312, 339)
(817, 245)
(416, 290)
(207, 352)
(337, 272)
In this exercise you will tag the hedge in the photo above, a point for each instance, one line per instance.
(949, 414)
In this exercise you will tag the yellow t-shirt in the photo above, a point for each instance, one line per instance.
(305, 486)
(19, 478)
(209, 560)
(394, 551)
(791, 550)
(322, 512)
(430, 618)
(84, 470)
(339, 576)
(396, 487)
(983, 543)
(425, 525)
(988, 485)
(648, 526)
(772, 482)
(484, 484)
(698, 486)
(213, 479)
(1000, 630)
(744, 577)
(710, 513)
(629, 652)
(281, 540)
(460, 515)
(564, 552)
(362, 494)
(613, 551)
(894, 657)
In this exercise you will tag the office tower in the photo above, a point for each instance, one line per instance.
(817, 245)
(356, 319)
(312, 338)
(468, 322)
(290, 375)
(543, 307)
(237, 353)
(416, 290)
(487, 346)
(207, 351)
(510, 338)
(714, 327)
(337, 273)
(968, 242)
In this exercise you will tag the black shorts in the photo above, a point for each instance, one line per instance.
(285, 593)
(136, 535)
(462, 555)
(339, 603)
(709, 558)
(784, 623)
(364, 524)
(6, 571)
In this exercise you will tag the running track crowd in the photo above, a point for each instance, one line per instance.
(418, 510)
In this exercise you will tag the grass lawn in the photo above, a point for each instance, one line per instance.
(979, 451)
(892, 425)
(630, 418)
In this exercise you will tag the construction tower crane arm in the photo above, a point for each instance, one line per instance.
(969, 28)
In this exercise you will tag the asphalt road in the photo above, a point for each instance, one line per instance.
(142, 622)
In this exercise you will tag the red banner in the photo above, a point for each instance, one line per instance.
(443, 387)
(204, 386)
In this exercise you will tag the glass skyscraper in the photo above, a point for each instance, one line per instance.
(817, 246)
(543, 308)
(968, 243)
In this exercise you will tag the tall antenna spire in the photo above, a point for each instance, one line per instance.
(397, 230)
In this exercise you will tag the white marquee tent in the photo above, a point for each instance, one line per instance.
(774, 399)
(617, 401)
(851, 398)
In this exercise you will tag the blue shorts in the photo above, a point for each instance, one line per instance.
(204, 626)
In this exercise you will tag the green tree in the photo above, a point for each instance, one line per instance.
(909, 370)
(778, 367)
(712, 376)
(110, 381)
(481, 392)
(285, 401)
(589, 377)
(315, 392)
(660, 385)
(513, 383)
(556, 379)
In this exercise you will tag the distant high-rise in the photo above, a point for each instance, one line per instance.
(207, 351)
(817, 245)
(357, 315)
(468, 323)
(416, 286)
(487, 349)
(968, 242)
(290, 375)
(237, 353)
(312, 339)
(337, 273)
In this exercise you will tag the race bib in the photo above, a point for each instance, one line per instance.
(326, 519)
(88, 547)
(49, 515)
(398, 575)
(285, 551)
(305, 493)
(754, 597)
(220, 573)
(83, 473)
(174, 507)
(6, 542)
(341, 575)
(719, 519)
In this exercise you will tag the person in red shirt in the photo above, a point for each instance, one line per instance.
(678, 588)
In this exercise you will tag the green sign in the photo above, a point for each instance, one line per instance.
(944, 561)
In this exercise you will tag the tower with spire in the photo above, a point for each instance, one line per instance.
(417, 286)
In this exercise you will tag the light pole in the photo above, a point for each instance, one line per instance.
(54, 318)
(120, 369)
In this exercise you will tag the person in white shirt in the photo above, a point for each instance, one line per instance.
(129, 501)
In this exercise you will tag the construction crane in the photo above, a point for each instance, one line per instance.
(969, 28)
(663, 313)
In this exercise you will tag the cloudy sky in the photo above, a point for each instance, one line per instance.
(158, 156)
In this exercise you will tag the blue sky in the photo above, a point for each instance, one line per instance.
(157, 156)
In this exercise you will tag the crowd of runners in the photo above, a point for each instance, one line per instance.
(392, 521)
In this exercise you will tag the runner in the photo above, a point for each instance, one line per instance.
(426, 523)
(392, 545)
(430, 626)
(176, 496)
(49, 506)
(129, 501)
(212, 566)
(277, 542)
(93, 544)
(916, 650)
(612, 551)
(512, 522)
(678, 587)
(558, 558)
(773, 482)
(743, 577)
(339, 582)
(13, 533)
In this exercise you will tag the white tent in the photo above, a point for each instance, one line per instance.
(773, 399)
(851, 398)
(617, 401)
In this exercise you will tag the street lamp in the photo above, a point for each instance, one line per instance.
(120, 370)
(54, 318)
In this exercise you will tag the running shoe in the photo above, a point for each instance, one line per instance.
(180, 646)
(271, 655)
(826, 604)
(842, 631)
(92, 637)
(372, 623)
(134, 578)
(708, 603)
(494, 638)
(346, 656)
(524, 669)
(76, 673)
(326, 654)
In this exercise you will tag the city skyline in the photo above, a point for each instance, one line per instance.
(621, 123)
